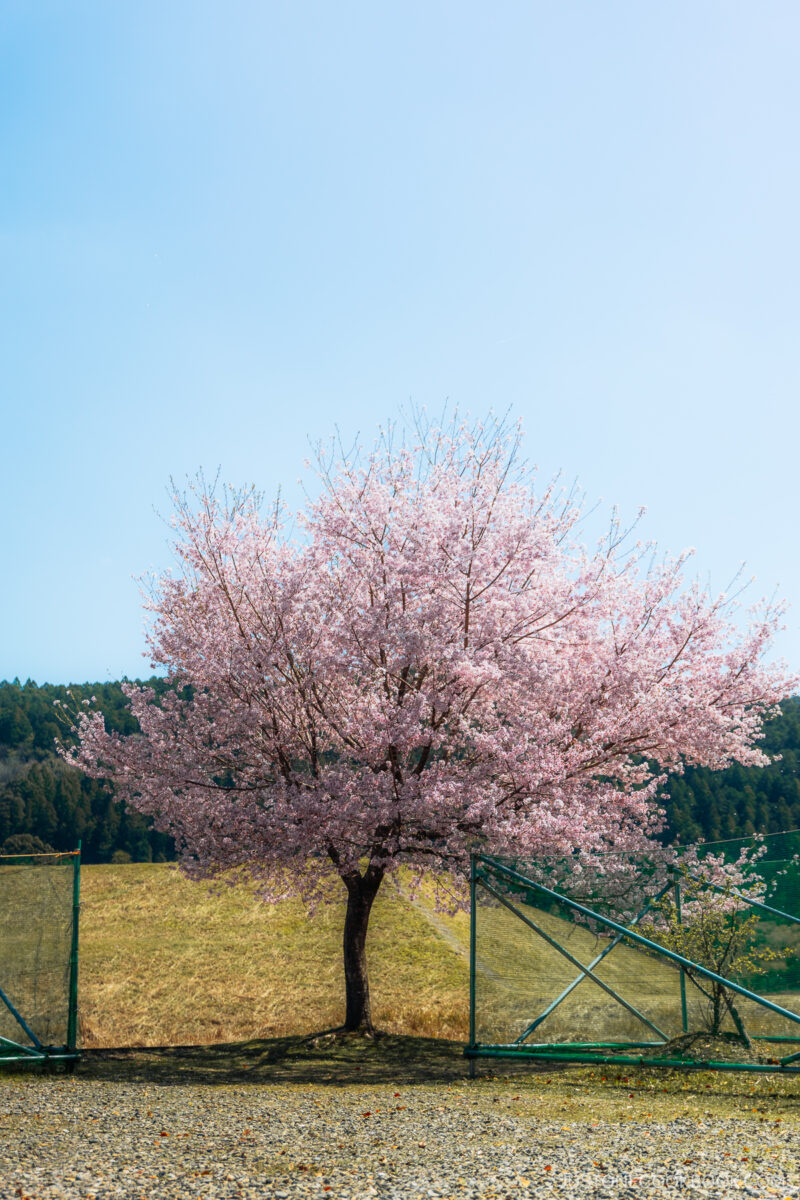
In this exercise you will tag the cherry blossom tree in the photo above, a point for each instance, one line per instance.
(714, 926)
(429, 661)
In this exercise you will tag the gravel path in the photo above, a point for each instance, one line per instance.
(72, 1137)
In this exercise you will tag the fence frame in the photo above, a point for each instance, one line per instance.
(609, 1052)
(37, 1052)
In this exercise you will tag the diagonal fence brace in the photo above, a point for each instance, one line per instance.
(580, 978)
(20, 1021)
(586, 971)
(639, 938)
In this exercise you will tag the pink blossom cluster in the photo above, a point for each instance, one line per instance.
(433, 663)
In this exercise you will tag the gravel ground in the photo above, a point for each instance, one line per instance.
(67, 1136)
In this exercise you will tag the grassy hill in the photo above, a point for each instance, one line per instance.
(164, 962)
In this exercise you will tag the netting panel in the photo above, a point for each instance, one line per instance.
(519, 974)
(530, 988)
(36, 915)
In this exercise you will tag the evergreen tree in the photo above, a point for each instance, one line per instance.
(41, 797)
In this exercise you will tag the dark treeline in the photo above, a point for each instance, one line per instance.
(710, 806)
(44, 803)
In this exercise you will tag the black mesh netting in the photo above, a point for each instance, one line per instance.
(532, 952)
(36, 914)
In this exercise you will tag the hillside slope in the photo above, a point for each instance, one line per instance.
(165, 962)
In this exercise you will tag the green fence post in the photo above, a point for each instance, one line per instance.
(72, 1020)
(684, 1013)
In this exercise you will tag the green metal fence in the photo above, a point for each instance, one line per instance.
(39, 906)
(554, 977)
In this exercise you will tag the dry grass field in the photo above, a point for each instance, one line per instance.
(165, 962)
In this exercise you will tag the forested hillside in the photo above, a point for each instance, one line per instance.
(40, 797)
(712, 805)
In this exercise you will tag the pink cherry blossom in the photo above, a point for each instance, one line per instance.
(428, 663)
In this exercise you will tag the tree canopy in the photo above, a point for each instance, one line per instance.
(433, 662)
(700, 804)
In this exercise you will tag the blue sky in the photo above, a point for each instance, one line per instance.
(226, 228)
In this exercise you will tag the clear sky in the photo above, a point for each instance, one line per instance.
(225, 228)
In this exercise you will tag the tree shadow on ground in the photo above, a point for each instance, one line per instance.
(329, 1058)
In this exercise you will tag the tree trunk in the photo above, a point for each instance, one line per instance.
(738, 1022)
(361, 891)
